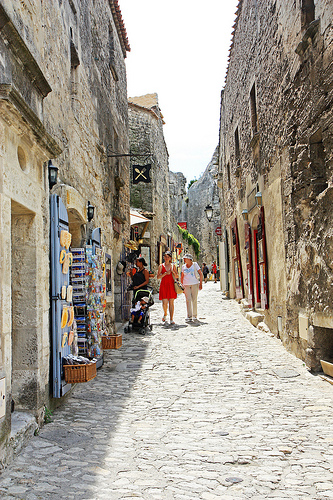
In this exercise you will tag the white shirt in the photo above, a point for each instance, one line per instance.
(189, 276)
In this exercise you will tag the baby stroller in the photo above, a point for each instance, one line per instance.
(142, 326)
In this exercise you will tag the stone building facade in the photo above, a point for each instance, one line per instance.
(188, 205)
(201, 193)
(275, 165)
(63, 97)
(150, 198)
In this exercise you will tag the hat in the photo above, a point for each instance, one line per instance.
(168, 252)
(120, 267)
(145, 299)
(188, 256)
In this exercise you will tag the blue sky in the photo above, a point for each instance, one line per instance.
(179, 49)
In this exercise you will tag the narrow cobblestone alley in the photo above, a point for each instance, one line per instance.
(218, 410)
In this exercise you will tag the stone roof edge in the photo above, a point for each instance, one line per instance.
(149, 110)
(234, 27)
(120, 25)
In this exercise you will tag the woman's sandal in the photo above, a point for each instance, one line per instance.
(164, 318)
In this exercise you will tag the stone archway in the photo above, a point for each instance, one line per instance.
(76, 208)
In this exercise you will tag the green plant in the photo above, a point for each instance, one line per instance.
(47, 415)
(191, 182)
(191, 240)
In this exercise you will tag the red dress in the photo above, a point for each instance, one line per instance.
(167, 288)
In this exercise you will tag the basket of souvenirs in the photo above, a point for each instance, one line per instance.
(78, 369)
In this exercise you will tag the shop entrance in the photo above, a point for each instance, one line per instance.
(256, 269)
(24, 308)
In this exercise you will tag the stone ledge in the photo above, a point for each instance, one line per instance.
(23, 427)
(254, 318)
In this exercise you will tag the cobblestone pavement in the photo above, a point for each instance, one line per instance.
(217, 410)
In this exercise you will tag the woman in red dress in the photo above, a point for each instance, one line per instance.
(167, 273)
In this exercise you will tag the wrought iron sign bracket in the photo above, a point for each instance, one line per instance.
(111, 154)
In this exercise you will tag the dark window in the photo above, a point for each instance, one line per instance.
(237, 152)
(253, 107)
(308, 12)
(112, 59)
(108, 277)
(75, 60)
(228, 175)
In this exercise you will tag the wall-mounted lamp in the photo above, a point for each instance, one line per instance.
(53, 174)
(209, 212)
(90, 211)
(245, 214)
(258, 198)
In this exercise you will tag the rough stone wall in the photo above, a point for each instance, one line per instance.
(178, 192)
(146, 135)
(204, 192)
(284, 150)
(62, 96)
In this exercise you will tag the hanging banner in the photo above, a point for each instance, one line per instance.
(141, 173)
(183, 225)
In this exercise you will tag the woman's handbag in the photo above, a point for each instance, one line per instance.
(179, 288)
(196, 274)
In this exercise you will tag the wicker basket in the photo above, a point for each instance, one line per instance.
(74, 374)
(112, 341)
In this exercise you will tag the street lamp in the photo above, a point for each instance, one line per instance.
(245, 215)
(90, 211)
(209, 212)
(258, 198)
(53, 174)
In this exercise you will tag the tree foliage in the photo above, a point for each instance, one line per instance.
(191, 240)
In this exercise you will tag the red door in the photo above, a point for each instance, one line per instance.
(249, 266)
(236, 261)
(262, 257)
(256, 268)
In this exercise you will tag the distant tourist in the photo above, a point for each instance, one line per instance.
(191, 278)
(205, 271)
(167, 273)
(214, 271)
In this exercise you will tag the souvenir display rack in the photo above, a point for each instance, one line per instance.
(96, 299)
(89, 299)
(78, 271)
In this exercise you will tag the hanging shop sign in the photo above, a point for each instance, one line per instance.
(183, 225)
(116, 225)
(141, 173)
(237, 268)
(218, 231)
(163, 240)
